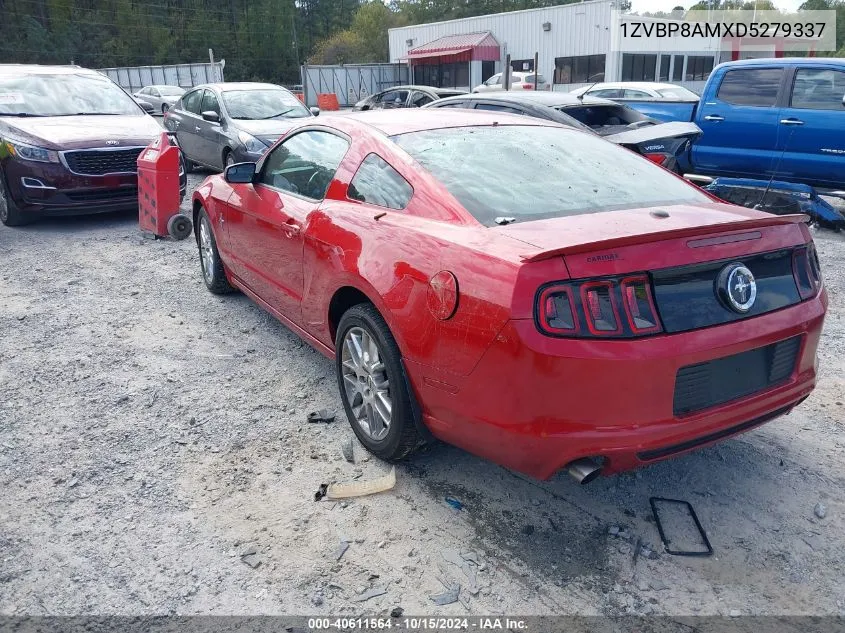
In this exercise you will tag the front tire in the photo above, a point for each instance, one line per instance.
(372, 384)
(164, 108)
(213, 272)
(10, 214)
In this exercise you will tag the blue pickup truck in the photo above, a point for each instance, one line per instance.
(770, 118)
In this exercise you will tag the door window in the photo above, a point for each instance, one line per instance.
(304, 164)
(378, 183)
(818, 89)
(419, 99)
(607, 93)
(210, 103)
(751, 86)
(394, 99)
(636, 94)
(153, 92)
(191, 101)
(495, 80)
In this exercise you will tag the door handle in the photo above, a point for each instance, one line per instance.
(791, 122)
(292, 226)
(714, 117)
(197, 128)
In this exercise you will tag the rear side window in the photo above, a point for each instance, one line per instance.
(378, 183)
(191, 102)
(751, 86)
(818, 89)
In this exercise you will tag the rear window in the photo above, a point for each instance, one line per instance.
(599, 116)
(534, 172)
(530, 79)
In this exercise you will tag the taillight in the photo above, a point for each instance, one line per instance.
(639, 305)
(807, 271)
(622, 308)
(528, 86)
(657, 159)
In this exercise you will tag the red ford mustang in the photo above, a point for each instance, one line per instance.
(528, 292)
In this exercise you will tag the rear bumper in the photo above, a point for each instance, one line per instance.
(534, 404)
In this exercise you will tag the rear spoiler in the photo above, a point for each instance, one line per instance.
(643, 238)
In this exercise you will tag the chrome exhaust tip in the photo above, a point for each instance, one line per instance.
(584, 470)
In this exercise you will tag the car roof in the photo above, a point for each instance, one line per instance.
(550, 99)
(396, 121)
(799, 61)
(240, 85)
(429, 88)
(16, 70)
(163, 86)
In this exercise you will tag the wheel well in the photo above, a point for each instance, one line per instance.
(342, 300)
(195, 218)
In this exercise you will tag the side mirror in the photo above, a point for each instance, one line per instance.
(315, 110)
(211, 115)
(243, 173)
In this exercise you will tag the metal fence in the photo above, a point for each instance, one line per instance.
(351, 82)
(134, 78)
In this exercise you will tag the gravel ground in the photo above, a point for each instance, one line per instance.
(155, 458)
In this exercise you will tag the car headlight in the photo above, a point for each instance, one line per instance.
(30, 152)
(252, 144)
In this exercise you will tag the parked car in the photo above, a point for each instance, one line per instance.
(650, 98)
(69, 141)
(666, 144)
(404, 97)
(771, 118)
(226, 123)
(492, 279)
(519, 81)
(160, 97)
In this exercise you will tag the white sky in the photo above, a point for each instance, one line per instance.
(641, 6)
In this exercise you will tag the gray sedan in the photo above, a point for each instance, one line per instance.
(160, 97)
(226, 123)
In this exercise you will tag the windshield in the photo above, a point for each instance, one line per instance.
(63, 95)
(170, 91)
(263, 104)
(534, 172)
(677, 92)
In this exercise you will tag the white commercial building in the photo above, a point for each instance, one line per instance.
(575, 45)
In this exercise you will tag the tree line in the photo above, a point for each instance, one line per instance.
(263, 40)
(259, 39)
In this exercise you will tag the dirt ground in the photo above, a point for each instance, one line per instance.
(155, 458)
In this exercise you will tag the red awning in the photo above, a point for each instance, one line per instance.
(481, 46)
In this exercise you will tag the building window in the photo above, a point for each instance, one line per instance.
(638, 67)
(698, 68)
(522, 65)
(454, 75)
(488, 69)
(664, 67)
(678, 68)
(579, 70)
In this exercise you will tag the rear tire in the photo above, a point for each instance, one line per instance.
(372, 384)
(213, 272)
(10, 214)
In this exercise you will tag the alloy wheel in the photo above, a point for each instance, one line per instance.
(365, 383)
(206, 251)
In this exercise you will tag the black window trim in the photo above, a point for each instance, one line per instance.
(373, 204)
(259, 166)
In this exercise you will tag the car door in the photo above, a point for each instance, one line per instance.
(740, 120)
(183, 120)
(155, 98)
(813, 109)
(266, 220)
(209, 133)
